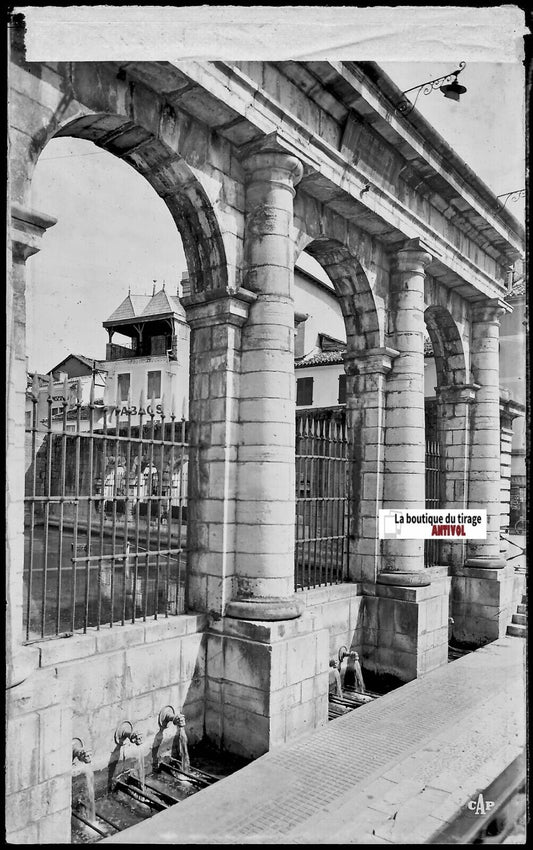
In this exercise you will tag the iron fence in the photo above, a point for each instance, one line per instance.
(321, 551)
(434, 481)
(105, 514)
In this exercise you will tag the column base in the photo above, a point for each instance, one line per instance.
(266, 683)
(415, 579)
(486, 563)
(269, 609)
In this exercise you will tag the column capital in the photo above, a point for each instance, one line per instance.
(413, 256)
(27, 229)
(371, 361)
(456, 393)
(218, 306)
(490, 310)
(273, 153)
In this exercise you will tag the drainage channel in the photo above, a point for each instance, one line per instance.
(102, 807)
(347, 689)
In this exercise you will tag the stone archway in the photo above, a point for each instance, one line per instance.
(366, 366)
(447, 427)
(137, 139)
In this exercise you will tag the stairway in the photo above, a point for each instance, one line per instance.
(518, 625)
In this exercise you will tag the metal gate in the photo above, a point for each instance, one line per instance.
(321, 552)
(105, 514)
(434, 473)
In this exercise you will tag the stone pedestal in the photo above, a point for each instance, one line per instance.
(406, 628)
(266, 683)
(482, 603)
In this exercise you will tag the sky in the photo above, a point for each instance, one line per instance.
(114, 233)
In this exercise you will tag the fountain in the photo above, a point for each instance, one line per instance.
(85, 801)
(124, 733)
(130, 796)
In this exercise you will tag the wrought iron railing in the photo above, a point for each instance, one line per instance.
(105, 515)
(321, 551)
(434, 474)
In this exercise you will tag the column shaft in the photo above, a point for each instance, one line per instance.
(484, 476)
(404, 481)
(264, 581)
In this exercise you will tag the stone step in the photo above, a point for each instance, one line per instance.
(522, 609)
(519, 619)
(516, 631)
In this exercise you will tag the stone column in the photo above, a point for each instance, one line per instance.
(484, 477)
(455, 402)
(216, 320)
(404, 482)
(27, 229)
(365, 408)
(483, 589)
(264, 581)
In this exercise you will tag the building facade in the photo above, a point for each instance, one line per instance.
(256, 162)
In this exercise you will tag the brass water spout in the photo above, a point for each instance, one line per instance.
(168, 715)
(79, 752)
(125, 732)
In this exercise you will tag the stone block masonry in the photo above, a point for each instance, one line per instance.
(86, 685)
(266, 683)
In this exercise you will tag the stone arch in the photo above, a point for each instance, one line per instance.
(173, 180)
(448, 351)
(352, 289)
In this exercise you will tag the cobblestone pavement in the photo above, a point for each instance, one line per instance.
(393, 771)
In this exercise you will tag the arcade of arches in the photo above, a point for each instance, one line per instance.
(251, 181)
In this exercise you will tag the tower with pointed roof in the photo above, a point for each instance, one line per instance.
(149, 361)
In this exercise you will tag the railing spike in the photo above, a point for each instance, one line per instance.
(91, 392)
(50, 386)
(35, 386)
(141, 400)
(78, 391)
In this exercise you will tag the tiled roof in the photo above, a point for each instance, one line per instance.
(162, 303)
(87, 361)
(130, 308)
(320, 358)
(146, 307)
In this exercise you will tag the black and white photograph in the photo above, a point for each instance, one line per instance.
(267, 426)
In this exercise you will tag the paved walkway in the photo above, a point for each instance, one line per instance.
(393, 771)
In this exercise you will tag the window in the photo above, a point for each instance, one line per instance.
(342, 389)
(154, 385)
(123, 386)
(304, 392)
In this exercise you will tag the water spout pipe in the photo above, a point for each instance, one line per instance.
(79, 752)
(125, 732)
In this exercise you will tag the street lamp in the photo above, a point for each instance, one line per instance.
(448, 85)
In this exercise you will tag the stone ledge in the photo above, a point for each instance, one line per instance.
(407, 594)
(264, 631)
(331, 593)
(96, 642)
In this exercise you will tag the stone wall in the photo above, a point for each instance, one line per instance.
(85, 687)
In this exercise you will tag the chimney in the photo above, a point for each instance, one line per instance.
(185, 285)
